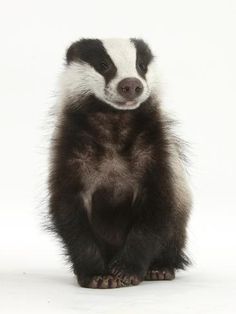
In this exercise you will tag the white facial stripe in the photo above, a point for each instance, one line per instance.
(123, 54)
(81, 79)
(153, 79)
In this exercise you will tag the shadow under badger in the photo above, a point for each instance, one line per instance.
(118, 194)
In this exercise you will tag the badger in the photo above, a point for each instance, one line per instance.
(119, 198)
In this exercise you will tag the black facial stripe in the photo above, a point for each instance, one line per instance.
(143, 56)
(92, 52)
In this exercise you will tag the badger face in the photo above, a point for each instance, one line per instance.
(117, 71)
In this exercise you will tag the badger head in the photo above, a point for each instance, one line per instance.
(117, 71)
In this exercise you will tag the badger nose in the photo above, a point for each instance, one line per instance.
(130, 88)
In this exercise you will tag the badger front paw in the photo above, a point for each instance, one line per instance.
(128, 273)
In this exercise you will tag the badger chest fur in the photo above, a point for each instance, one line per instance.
(118, 194)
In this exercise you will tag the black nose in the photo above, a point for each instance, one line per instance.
(130, 88)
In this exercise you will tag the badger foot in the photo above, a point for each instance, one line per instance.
(161, 274)
(102, 282)
(128, 280)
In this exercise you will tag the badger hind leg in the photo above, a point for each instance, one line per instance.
(160, 274)
(164, 268)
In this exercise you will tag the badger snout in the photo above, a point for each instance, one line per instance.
(130, 88)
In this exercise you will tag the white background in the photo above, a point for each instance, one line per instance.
(194, 42)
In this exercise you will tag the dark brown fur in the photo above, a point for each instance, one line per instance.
(113, 194)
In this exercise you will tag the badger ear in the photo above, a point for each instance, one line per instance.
(72, 53)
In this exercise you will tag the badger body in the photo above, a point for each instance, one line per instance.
(118, 194)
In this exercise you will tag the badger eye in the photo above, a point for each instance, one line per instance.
(142, 67)
(104, 66)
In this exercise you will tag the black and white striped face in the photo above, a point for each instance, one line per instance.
(117, 71)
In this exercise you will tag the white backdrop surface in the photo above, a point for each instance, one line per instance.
(195, 45)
